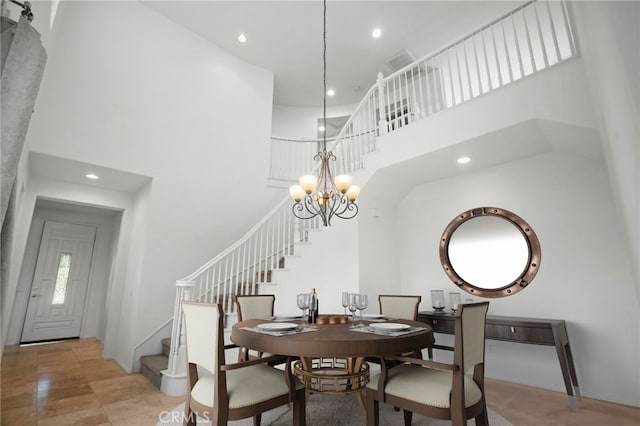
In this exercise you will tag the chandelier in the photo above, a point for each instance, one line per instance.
(322, 194)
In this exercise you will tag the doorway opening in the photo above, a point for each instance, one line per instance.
(66, 273)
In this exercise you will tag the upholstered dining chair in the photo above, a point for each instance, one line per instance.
(221, 392)
(435, 389)
(399, 306)
(252, 306)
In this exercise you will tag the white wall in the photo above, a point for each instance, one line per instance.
(327, 263)
(302, 122)
(585, 277)
(129, 90)
(609, 37)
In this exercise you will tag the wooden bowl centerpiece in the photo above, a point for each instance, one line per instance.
(332, 319)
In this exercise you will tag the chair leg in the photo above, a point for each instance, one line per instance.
(299, 409)
(188, 417)
(373, 415)
(482, 419)
(257, 419)
(458, 420)
(408, 415)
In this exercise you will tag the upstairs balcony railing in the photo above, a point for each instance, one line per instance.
(531, 38)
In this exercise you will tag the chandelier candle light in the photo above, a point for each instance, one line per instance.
(323, 195)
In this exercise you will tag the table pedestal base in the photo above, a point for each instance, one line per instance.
(333, 376)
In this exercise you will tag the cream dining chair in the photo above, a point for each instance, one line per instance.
(435, 389)
(399, 306)
(253, 306)
(231, 391)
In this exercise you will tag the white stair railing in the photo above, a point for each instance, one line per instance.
(529, 39)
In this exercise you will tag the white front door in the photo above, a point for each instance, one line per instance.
(59, 283)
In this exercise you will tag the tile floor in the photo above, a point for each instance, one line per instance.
(69, 383)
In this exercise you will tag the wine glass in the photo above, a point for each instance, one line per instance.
(303, 303)
(345, 301)
(353, 307)
(361, 304)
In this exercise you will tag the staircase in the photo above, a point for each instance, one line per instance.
(151, 366)
(531, 38)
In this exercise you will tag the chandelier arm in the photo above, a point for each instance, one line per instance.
(351, 208)
(340, 204)
(311, 206)
(298, 211)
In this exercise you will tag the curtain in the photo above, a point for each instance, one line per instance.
(23, 60)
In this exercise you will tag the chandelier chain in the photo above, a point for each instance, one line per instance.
(324, 76)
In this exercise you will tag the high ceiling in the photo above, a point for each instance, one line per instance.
(286, 37)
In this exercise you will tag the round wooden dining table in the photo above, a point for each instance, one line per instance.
(332, 340)
(332, 358)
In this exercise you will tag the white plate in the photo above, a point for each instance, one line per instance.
(277, 326)
(390, 326)
(287, 316)
(373, 316)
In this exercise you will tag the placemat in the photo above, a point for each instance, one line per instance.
(367, 329)
(296, 330)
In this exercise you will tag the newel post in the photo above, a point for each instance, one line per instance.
(177, 368)
(382, 122)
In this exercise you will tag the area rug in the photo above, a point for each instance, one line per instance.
(342, 410)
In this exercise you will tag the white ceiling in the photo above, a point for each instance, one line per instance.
(67, 170)
(286, 37)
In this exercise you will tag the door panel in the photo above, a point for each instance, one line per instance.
(59, 287)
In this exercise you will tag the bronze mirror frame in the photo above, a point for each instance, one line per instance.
(528, 273)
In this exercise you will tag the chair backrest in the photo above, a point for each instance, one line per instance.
(255, 306)
(204, 335)
(399, 306)
(470, 334)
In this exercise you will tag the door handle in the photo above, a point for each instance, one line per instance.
(35, 295)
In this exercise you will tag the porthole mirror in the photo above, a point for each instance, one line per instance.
(490, 252)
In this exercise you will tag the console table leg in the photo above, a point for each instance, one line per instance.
(572, 403)
(566, 364)
(572, 370)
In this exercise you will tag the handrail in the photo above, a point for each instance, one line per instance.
(153, 333)
(235, 245)
(303, 140)
(438, 51)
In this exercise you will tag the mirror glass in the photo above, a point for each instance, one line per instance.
(489, 252)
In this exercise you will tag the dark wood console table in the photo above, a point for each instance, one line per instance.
(522, 330)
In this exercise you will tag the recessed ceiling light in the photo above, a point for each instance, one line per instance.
(242, 38)
(463, 160)
(376, 33)
(321, 128)
(331, 92)
(92, 176)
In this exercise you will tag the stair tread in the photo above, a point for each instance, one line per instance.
(155, 363)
